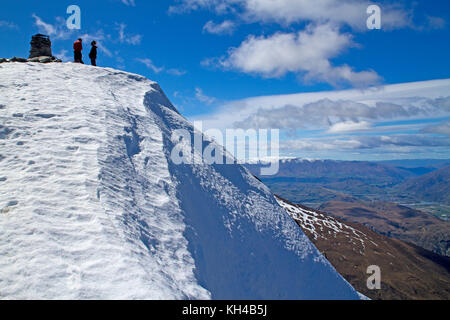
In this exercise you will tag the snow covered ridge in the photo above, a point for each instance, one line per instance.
(91, 207)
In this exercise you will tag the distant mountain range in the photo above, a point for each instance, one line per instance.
(300, 170)
(314, 182)
(407, 271)
(430, 164)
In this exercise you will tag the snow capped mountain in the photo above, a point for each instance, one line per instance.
(93, 207)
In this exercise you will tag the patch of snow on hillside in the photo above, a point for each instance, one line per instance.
(311, 221)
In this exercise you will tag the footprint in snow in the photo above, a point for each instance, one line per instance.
(45, 116)
(5, 132)
(72, 148)
(10, 206)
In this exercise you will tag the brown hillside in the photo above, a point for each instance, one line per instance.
(396, 221)
(407, 271)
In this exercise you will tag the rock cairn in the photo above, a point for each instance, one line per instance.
(41, 51)
(40, 46)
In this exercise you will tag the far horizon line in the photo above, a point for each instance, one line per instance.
(267, 161)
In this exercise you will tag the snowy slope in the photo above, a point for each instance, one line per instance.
(91, 205)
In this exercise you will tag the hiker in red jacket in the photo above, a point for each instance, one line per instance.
(77, 48)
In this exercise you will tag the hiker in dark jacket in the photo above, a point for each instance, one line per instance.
(93, 53)
(77, 48)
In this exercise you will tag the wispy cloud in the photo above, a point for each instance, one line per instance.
(203, 98)
(339, 115)
(366, 142)
(435, 23)
(128, 38)
(441, 128)
(149, 64)
(411, 118)
(8, 25)
(226, 27)
(176, 72)
(286, 12)
(131, 3)
(57, 30)
(349, 126)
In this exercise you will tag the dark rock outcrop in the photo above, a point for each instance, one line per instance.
(17, 59)
(41, 59)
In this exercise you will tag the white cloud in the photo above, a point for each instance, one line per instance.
(8, 25)
(412, 142)
(128, 38)
(226, 27)
(134, 40)
(48, 28)
(297, 52)
(441, 128)
(57, 31)
(219, 6)
(320, 110)
(342, 115)
(320, 144)
(435, 22)
(202, 97)
(172, 71)
(44, 27)
(349, 12)
(392, 119)
(286, 12)
(176, 72)
(349, 126)
(149, 64)
(306, 52)
(129, 3)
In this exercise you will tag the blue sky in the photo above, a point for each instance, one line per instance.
(213, 56)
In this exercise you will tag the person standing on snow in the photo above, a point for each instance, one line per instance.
(77, 48)
(93, 53)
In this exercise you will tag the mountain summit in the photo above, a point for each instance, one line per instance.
(92, 206)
